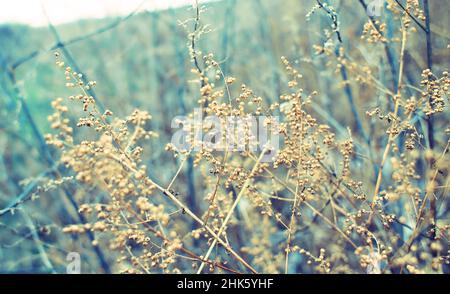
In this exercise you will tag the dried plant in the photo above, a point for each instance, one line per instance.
(364, 198)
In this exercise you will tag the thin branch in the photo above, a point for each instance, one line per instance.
(430, 66)
(412, 16)
(46, 155)
(392, 136)
(37, 240)
(72, 61)
(58, 45)
(430, 127)
(193, 48)
(347, 89)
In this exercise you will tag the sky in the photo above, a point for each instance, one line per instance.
(62, 11)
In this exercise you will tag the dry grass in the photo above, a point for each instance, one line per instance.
(368, 198)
